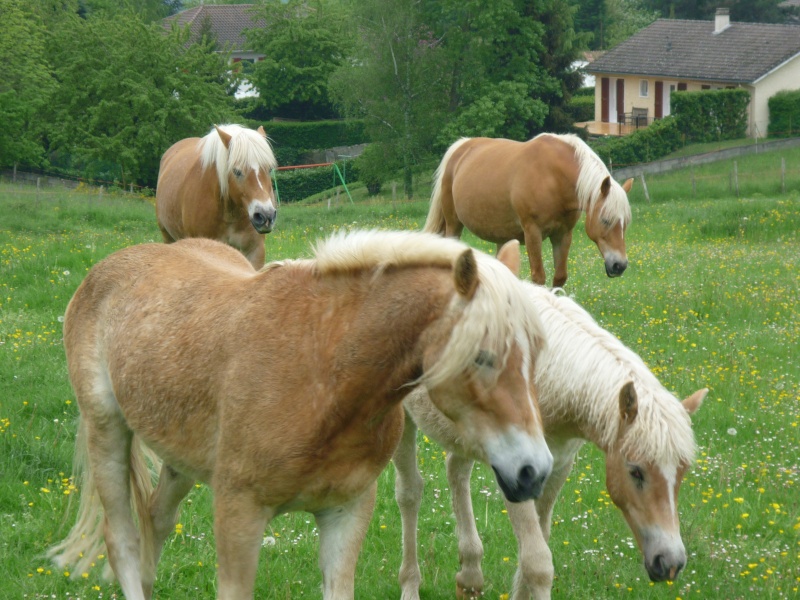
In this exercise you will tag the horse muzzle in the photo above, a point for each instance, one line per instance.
(527, 485)
(615, 266)
(664, 567)
(263, 218)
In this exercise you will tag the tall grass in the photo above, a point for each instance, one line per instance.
(710, 299)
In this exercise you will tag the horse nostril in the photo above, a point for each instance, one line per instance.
(259, 219)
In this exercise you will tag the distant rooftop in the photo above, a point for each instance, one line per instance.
(683, 49)
(227, 22)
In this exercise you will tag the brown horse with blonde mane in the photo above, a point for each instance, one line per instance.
(591, 388)
(282, 389)
(219, 187)
(503, 190)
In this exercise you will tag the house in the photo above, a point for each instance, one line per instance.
(634, 80)
(227, 23)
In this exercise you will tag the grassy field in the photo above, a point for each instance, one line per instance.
(710, 299)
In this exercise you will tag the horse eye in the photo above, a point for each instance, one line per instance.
(637, 474)
(237, 172)
(606, 222)
(485, 359)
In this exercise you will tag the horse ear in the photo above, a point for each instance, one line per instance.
(628, 403)
(693, 402)
(465, 273)
(605, 187)
(225, 137)
(628, 185)
(509, 255)
(261, 131)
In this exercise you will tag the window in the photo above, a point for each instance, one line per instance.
(643, 86)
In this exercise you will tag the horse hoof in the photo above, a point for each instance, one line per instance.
(463, 593)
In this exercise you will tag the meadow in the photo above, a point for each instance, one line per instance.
(710, 299)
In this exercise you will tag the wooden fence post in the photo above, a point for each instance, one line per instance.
(783, 175)
(694, 184)
(644, 187)
(736, 177)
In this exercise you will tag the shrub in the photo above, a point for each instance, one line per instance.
(297, 184)
(644, 145)
(784, 114)
(711, 115)
(581, 108)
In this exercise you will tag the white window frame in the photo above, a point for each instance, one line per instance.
(644, 88)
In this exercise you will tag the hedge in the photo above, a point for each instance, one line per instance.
(784, 114)
(711, 115)
(298, 184)
(644, 145)
(581, 108)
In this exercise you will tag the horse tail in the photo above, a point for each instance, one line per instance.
(435, 222)
(84, 545)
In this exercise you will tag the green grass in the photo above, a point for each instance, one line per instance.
(710, 299)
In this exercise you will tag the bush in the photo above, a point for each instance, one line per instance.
(784, 114)
(297, 184)
(315, 135)
(711, 115)
(644, 145)
(375, 166)
(581, 108)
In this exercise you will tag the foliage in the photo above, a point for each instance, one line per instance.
(395, 81)
(610, 22)
(291, 140)
(303, 43)
(581, 108)
(643, 145)
(710, 115)
(749, 11)
(127, 92)
(375, 166)
(784, 114)
(296, 184)
(24, 84)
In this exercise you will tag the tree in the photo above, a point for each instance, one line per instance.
(395, 81)
(126, 91)
(303, 43)
(24, 83)
(756, 11)
(626, 17)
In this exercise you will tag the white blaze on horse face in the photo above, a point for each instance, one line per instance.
(262, 211)
(670, 476)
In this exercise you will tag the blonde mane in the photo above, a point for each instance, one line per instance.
(499, 313)
(582, 372)
(591, 173)
(248, 150)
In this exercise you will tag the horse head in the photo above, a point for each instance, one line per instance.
(247, 186)
(492, 402)
(606, 222)
(646, 490)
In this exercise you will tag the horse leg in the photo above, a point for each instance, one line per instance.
(163, 514)
(469, 580)
(534, 576)
(533, 244)
(239, 523)
(109, 448)
(561, 246)
(408, 486)
(341, 532)
(531, 523)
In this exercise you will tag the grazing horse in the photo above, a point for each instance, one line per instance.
(502, 190)
(282, 389)
(591, 388)
(219, 187)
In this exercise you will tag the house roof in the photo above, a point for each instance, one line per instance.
(227, 22)
(682, 49)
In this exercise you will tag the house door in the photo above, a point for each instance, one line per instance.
(620, 101)
(659, 99)
(604, 93)
(669, 87)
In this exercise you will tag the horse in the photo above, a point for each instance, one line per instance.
(591, 388)
(282, 389)
(219, 187)
(503, 189)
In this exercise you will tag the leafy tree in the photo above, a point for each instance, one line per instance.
(757, 11)
(626, 17)
(303, 41)
(395, 81)
(24, 83)
(127, 91)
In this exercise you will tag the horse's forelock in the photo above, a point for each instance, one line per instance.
(662, 431)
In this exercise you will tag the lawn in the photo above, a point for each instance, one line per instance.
(710, 299)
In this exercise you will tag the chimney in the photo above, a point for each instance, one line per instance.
(722, 20)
